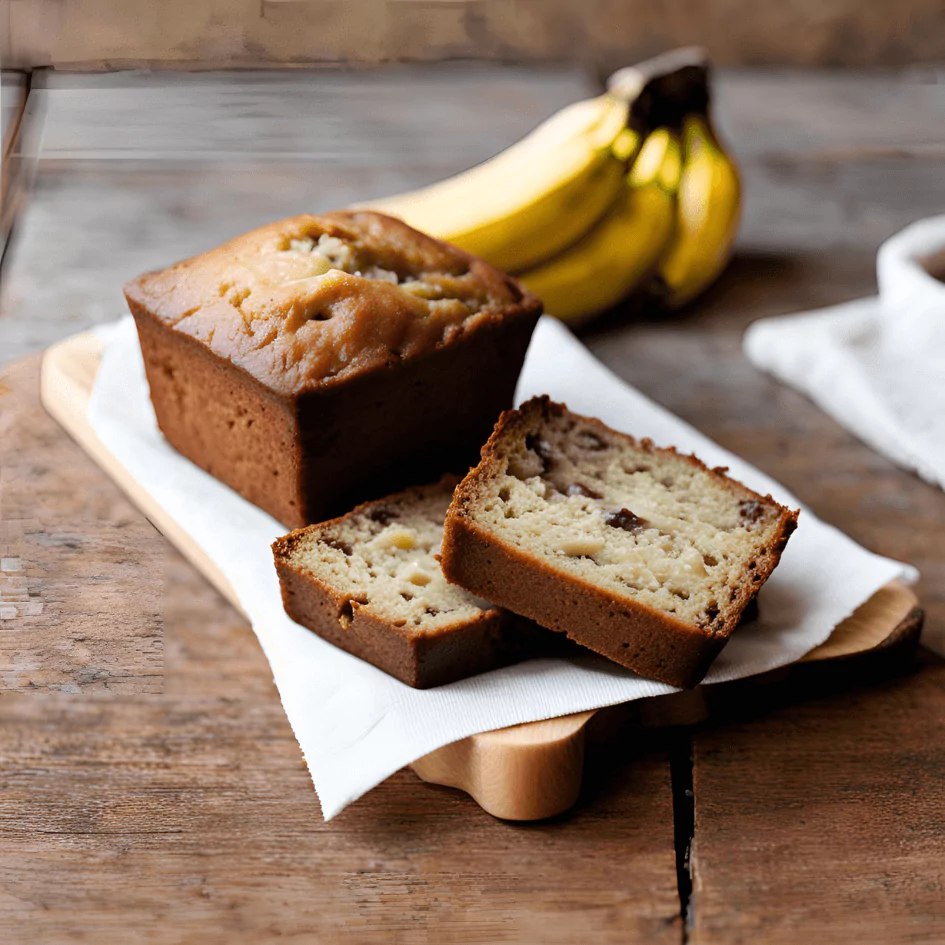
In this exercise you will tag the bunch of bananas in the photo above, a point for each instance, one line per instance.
(624, 193)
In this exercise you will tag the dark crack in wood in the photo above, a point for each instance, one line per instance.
(684, 808)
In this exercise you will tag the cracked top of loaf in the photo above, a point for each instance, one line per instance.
(315, 300)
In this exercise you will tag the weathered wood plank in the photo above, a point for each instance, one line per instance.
(822, 117)
(449, 114)
(833, 117)
(81, 596)
(825, 821)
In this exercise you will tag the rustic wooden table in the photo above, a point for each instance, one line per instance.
(150, 787)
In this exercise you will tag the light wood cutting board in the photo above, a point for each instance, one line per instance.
(525, 772)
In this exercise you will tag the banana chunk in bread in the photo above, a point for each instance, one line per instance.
(369, 582)
(641, 554)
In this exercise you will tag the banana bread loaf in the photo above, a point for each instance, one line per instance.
(641, 554)
(369, 583)
(324, 360)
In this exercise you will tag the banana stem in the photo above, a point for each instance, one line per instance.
(663, 90)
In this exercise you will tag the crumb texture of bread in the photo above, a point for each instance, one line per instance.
(370, 583)
(382, 560)
(620, 518)
(316, 300)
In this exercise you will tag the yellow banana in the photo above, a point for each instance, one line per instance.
(617, 254)
(559, 208)
(709, 210)
(532, 200)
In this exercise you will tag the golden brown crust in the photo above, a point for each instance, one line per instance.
(305, 449)
(257, 302)
(649, 641)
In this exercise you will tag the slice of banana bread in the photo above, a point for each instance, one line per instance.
(369, 582)
(641, 554)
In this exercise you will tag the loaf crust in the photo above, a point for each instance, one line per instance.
(649, 641)
(311, 394)
(465, 647)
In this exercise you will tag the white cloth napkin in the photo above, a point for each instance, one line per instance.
(355, 724)
(876, 365)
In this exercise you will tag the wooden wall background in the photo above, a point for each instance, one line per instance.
(106, 34)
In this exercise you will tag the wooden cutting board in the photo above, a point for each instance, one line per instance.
(525, 772)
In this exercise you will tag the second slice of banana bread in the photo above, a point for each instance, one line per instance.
(641, 554)
(369, 582)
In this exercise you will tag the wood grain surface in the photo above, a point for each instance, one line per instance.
(188, 816)
(825, 820)
(81, 594)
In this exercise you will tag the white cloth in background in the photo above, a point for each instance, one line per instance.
(876, 365)
(355, 724)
